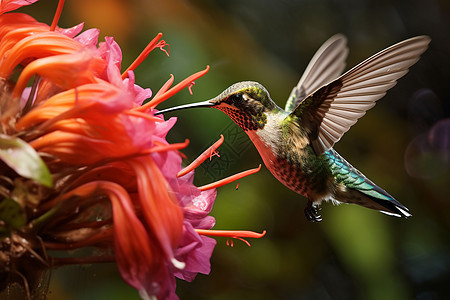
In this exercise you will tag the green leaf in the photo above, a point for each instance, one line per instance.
(24, 160)
(12, 213)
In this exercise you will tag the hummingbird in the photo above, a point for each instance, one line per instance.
(296, 143)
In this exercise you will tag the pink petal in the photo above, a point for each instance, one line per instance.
(88, 37)
(140, 94)
(162, 128)
(139, 130)
(9, 5)
(110, 51)
(195, 251)
(72, 31)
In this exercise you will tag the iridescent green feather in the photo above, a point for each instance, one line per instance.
(348, 175)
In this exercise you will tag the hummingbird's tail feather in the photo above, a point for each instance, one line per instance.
(382, 202)
(354, 187)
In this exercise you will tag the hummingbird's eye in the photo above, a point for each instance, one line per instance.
(236, 98)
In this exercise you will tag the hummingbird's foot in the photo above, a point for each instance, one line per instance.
(312, 212)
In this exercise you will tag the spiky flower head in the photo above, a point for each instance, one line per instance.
(86, 165)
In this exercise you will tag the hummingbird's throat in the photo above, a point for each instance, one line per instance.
(243, 119)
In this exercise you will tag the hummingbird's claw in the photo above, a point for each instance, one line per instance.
(312, 212)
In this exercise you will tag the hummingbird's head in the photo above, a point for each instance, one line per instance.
(246, 103)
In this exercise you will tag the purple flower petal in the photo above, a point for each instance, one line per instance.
(195, 251)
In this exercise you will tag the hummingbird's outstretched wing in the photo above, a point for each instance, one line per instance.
(330, 111)
(327, 64)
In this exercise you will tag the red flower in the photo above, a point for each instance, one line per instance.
(115, 184)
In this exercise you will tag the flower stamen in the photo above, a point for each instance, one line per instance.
(230, 242)
(178, 264)
(161, 46)
(201, 158)
(57, 15)
(139, 114)
(190, 87)
(169, 93)
(213, 153)
(152, 45)
(166, 86)
(229, 179)
(176, 146)
(232, 234)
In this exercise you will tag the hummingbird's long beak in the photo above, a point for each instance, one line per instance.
(207, 103)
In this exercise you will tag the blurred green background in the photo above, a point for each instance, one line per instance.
(402, 144)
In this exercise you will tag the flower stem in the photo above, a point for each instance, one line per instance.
(43, 219)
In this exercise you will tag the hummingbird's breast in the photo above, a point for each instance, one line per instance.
(290, 158)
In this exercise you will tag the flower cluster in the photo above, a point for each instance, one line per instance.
(85, 164)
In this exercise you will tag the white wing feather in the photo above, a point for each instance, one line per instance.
(327, 64)
(361, 87)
